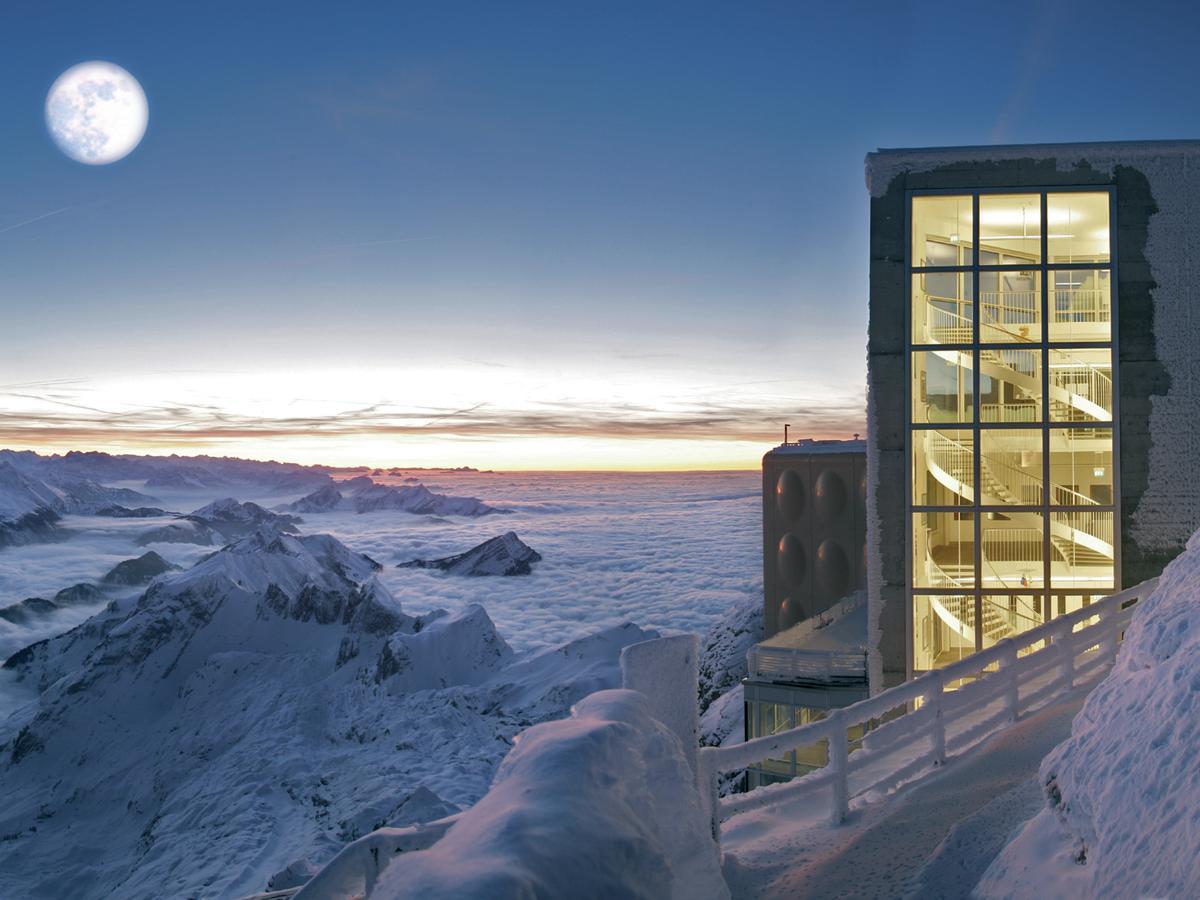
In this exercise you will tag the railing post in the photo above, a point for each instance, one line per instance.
(838, 762)
(1008, 671)
(1066, 665)
(1112, 628)
(937, 738)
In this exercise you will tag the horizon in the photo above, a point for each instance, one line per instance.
(371, 467)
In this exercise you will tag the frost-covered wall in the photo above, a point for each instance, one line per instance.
(1157, 267)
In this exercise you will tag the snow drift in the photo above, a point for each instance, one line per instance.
(1123, 792)
(589, 806)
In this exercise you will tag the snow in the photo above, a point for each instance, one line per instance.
(724, 722)
(724, 648)
(588, 806)
(199, 737)
(908, 844)
(263, 707)
(1124, 788)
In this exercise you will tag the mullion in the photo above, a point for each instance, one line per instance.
(976, 410)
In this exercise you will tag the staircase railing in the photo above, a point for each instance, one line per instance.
(916, 726)
(1090, 305)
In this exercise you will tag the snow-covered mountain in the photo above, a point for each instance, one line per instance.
(363, 495)
(219, 522)
(505, 554)
(143, 570)
(170, 472)
(140, 512)
(31, 507)
(253, 711)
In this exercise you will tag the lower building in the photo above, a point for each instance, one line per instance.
(814, 654)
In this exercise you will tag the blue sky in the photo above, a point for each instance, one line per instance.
(522, 235)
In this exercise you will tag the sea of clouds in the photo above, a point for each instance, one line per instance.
(669, 551)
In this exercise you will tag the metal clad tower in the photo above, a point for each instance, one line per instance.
(814, 529)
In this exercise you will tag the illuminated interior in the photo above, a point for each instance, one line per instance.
(1011, 419)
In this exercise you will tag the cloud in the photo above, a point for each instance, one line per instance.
(56, 419)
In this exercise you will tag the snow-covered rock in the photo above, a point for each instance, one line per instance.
(219, 522)
(590, 806)
(505, 554)
(323, 499)
(233, 520)
(254, 710)
(724, 722)
(141, 512)
(143, 570)
(184, 531)
(38, 607)
(724, 648)
(1123, 792)
(27, 610)
(364, 495)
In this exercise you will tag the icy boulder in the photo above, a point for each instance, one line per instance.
(597, 805)
(1123, 792)
(505, 554)
(723, 650)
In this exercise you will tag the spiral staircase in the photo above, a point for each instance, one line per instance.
(1081, 539)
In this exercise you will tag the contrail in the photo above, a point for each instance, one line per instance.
(35, 219)
(401, 240)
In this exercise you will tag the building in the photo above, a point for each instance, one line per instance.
(814, 654)
(1032, 386)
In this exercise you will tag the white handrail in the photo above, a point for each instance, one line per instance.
(1011, 673)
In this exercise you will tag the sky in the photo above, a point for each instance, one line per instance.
(513, 236)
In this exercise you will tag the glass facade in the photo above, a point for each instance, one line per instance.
(1011, 416)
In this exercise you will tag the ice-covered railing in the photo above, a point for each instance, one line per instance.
(917, 725)
(354, 871)
(775, 659)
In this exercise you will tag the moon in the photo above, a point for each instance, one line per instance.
(96, 112)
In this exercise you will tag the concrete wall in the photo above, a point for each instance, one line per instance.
(1158, 266)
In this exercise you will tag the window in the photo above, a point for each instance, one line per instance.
(1011, 418)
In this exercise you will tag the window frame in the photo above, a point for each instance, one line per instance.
(1045, 269)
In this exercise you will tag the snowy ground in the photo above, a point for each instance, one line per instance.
(934, 839)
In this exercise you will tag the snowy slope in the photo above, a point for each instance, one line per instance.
(724, 648)
(505, 554)
(251, 711)
(1123, 792)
